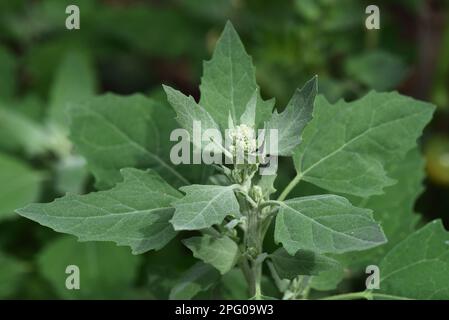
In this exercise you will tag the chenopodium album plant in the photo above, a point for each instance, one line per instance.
(362, 157)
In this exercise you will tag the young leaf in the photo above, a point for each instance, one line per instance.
(346, 146)
(326, 224)
(292, 121)
(189, 111)
(229, 81)
(418, 267)
(98, 279)
(135, 213)
(204, 206)
(249, 115)
(302, 263)
(200, 277)
(19, 185)
(222, 253)
(114, 132)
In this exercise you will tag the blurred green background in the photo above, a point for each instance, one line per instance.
(128, 46)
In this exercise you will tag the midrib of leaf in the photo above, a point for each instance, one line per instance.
(303, 173)
(108, 214)
(139, 146)
(319, 224)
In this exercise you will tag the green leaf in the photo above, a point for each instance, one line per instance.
(200, 277)
(291, 122)
(135, 213)
(222, 253)
(8, 81)
(393, 209)
(249, 115)
(19, 185)
(418, 267)
(326, 224)
(74, 82)
(114, 132)
(378, 70)
(204, 206)
(189, 111)
(18, 133)
(11, 272)
(346, 146)
(106, 271)
(229, 81)
(302, 263)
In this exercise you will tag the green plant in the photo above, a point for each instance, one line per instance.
(364, 153)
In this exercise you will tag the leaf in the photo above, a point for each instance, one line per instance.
(204, 206)
(114, 132)
(11, 272)
(222, 253)
(418, 267)
(189, 111)
(18, 133)
(229, 81)
(200, 277)
(106, 271)
(8, 81)
(393, 209)
(346, 146)
(74, 82)
(234, 285)
(291, 122)
(326, 224)
(302, 263)
(135, 213)
(20, 185)
(249, 115)
(379, 70)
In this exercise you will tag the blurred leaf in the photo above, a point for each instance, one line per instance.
(11, 272)
(20, 185)
(7, 74)
(378, 70)
(71, 174)
(18, 133)
(74, 83)
(106, 271)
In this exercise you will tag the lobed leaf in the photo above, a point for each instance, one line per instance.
(222, 253)
(204, 206)
(326, 224)
(346, 146)
(135, 213)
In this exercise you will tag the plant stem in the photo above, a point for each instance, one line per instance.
(349, 296)
(290, 187)
(364, 295)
